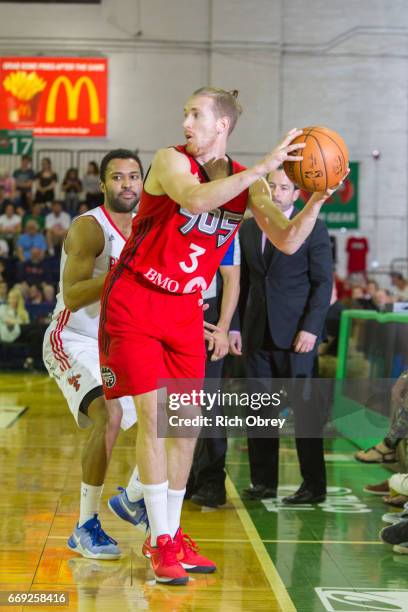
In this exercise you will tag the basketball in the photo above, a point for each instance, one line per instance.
(325, 160)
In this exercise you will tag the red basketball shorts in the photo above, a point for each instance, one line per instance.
(147, 336)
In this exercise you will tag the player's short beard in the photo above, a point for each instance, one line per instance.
(122, 206)
(198, 148)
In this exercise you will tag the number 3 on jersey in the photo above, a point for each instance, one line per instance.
(197, 251)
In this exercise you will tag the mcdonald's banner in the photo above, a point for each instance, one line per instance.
(54, 96)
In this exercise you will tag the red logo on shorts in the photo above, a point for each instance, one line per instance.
(73, 380)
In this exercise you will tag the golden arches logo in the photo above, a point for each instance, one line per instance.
(72, 93)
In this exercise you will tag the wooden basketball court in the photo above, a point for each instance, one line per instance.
(269, 557)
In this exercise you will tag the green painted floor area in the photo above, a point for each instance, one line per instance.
(329, 556)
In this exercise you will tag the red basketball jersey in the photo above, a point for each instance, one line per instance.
(357, 249)
(175, 249)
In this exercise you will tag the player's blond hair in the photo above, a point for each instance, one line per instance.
(225, 103)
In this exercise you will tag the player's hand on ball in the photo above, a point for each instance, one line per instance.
(322, 196)
(283, 152)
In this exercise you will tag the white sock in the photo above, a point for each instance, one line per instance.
(155, 496)
(90, 502)
(174, 504)
(134, 490)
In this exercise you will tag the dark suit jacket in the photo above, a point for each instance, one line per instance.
(292, 294)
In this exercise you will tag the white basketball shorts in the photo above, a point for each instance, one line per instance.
(72, 359)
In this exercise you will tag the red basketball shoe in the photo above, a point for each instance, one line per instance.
(187, 554)
(165, 565)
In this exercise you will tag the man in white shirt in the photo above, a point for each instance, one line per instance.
(401, 286)
(57, 224)
(10, 222)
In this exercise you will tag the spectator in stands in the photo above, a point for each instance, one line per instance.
(49, 295)
(90, 182)
(10, 226)
(39, 309)
(343, 287)
(371, 289)
(12, 316)
(34, 270)
(357, 297)
(23, 289)
(3, 200)
(10, 223)
(8, 184)
(72, 187)
(15, 325)
(37, 214)
(401, 286)
(30, 238)
(386, 450)
(361, 299)
(24, 177)
(45, 182)
(382, 298)
(57, 223)
(36, 294)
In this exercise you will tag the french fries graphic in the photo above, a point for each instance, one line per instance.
(24, 85)
(24, 89)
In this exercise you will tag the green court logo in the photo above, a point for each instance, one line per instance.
(363, 600)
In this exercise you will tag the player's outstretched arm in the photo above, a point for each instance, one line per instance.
(287, 236)
(84, 242)
(170, 174)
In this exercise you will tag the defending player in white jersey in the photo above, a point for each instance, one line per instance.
(92, 246)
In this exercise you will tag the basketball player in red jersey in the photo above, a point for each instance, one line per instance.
(151, 326)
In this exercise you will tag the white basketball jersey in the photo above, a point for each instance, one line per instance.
(86, 320)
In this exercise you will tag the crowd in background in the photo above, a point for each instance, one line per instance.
(369, 294)
(33, 225)
(357, 293)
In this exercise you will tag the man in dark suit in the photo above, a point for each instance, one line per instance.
(284, 302)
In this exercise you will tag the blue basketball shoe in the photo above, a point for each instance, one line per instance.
(92, 542)
(133, 512)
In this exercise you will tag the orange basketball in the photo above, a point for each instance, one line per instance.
(325, 160)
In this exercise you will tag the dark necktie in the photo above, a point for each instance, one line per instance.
(267, 253)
